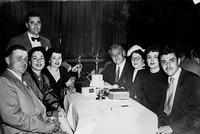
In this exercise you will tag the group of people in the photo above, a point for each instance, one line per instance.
(33, 86)
(156, 79)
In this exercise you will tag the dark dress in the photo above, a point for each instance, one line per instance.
(60, 84)
(153, 86)
(42, 82)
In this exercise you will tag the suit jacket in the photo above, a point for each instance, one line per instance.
(21, 111)
(126, 75)
(24, 41)
(32, 84)
(185, 114)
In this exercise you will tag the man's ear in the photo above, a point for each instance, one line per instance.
(26, 25)
(124, 53)
(7, 59)
(179, 61)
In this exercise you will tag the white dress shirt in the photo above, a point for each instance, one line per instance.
(121, 66)
(34, 43)
(175, 82)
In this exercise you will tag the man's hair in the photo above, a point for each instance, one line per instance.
(195, 52)
(116, 46)
(169, 49)
(40, 49)
(13, 48)
(30, 14)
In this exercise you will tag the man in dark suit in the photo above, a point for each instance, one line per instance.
(119, 71)
(180, 111)
(31, 38)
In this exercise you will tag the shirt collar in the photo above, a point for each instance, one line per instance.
(31, 35)
(15, 74)
(176, 75)
(122, 64)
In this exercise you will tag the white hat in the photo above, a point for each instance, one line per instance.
(134, 48)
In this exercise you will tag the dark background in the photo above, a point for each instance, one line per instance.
(88, 28)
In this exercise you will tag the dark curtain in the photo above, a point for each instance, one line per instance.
(89, 28)
(80, 28)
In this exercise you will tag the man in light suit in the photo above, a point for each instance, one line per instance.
(20, 110)
(120, 62)
(31, 38)
(180, 111)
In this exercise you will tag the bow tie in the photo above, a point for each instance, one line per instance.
(33, 39)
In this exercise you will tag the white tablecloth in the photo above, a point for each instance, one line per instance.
(89, 116)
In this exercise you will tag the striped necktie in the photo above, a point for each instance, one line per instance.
(117, 74)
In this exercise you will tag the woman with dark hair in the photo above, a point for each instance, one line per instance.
(152, 80)
(58, 75)
(36, 78)
(36, 62)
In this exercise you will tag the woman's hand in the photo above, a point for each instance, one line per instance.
(70, 86)
(77, 67)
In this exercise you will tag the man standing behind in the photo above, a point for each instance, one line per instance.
(20, 110)
(119, 71)
(180, 111)
(31, 38)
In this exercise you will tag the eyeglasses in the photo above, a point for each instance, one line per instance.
(136, 58)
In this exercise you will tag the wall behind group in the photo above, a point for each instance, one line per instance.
(87, 28)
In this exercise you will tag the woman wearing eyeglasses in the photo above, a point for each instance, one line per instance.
(137, 59)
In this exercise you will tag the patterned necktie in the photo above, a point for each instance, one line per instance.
(117, 74)
(169, 97)
(37, 39)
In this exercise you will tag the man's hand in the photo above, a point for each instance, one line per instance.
(165, 130)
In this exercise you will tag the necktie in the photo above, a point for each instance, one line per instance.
(169, 97)
(33, 39)
(117, 74)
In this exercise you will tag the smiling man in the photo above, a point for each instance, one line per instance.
(31, 38)
(180, 110)
(119, 71)
(21, 111)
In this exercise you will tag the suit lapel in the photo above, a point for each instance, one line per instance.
(123, 71)
(35, 101)
(179, 90)
(27, 41)
(43, 43)
(15, 79)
